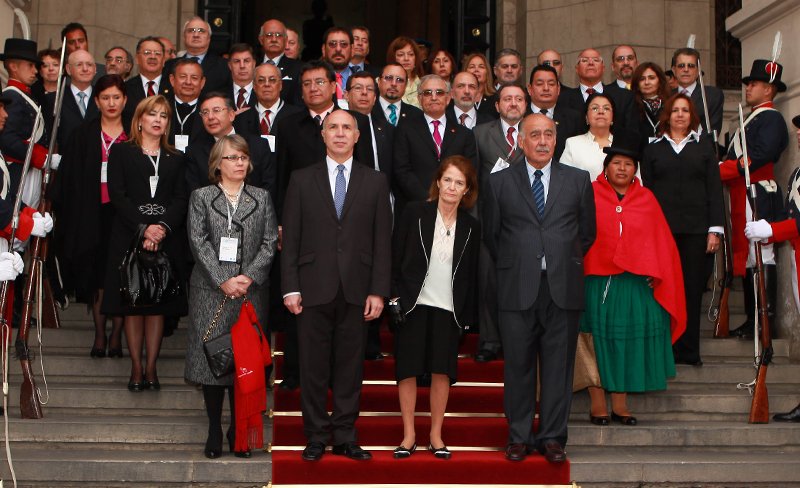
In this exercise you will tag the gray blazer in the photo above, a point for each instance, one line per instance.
(518, 238)
(256, 227)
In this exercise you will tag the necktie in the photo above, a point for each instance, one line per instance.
(240, 98)
(339, 92)
(318, 119)
(184, 109)
(538, 191)
(269, 61)
(543, 112)
(685, 91)
(339, 191)
(463, 119)
(393, 115)
(437, 138)
(510, 139)
(150, 91)
(196, 58)
(265, 123)
(589, 91)
(355, 68)
(82, 103)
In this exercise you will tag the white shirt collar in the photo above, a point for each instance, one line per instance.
(192, 102)
(275, 60)
(598, 88)
(385, 104)
(471, 113)
(689, 88)
(273, 110)
(535, 109)
(232, 132)
(322, 114)
(545, 171)
(693, 136)
(622, 84)
(87, 91)
(505, 125)
(332, 165)
(442, 123)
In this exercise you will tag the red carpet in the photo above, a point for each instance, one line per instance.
(477, 425)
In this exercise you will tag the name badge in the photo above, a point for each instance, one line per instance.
(153, 186)
(104, 172)
(227, 249)
(181, 141)
(271, 140)
(499, 165)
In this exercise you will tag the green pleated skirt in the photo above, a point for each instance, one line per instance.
(631, 333)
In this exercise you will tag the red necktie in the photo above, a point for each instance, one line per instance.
(150, 91)
(339, 92)
(437, 138)
(589, 91)
(463, 119)
(240, 98)
(265, 124)
(510, 139)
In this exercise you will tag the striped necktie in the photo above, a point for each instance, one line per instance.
(538, 191)
(393, 115)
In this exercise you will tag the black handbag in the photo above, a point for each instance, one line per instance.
(218, 350)
(146, 277)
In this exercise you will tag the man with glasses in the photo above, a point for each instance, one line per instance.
(169, 48)
(269, 108)
(78, 104)
(272, 38)
(590, 68)
(391, 87)
(687, 73)
(337, 49)
(149, 81)
(197, 39)
(242, 63)
(119, 62)
(624, 63)
(421, 143)
(543, 91)
(552, 58)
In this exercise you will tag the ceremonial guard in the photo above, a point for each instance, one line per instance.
(767, 137)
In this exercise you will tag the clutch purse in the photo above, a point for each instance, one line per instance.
(219, 349)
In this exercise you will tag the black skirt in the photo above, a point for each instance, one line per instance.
(427, 344)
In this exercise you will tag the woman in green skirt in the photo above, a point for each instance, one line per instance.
(635, 304)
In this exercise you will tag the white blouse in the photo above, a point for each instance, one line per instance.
(583, 152)
(437, 290)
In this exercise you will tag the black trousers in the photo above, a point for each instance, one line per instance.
(331, 339)
(696, 266)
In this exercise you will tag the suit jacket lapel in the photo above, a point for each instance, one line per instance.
(353, 186)
(450, 135)
(462, 231)
(499, 139)
(426, 135)
(556, 182)
(219, 204)
(521, 173)
(324, 187)
(427, 225)
(247, 205)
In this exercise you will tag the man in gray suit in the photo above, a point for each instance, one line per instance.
(335, 268)
(539, 220)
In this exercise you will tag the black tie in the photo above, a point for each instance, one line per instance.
(355, 69)
(543, 112)
(184, 109)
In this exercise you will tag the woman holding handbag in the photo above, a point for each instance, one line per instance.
(147, 187)
(233, 233)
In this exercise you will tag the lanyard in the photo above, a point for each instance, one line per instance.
(183, 121)
(155, 161)
(107, 148)
(229, 204)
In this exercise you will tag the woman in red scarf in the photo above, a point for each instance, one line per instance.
(635, 305)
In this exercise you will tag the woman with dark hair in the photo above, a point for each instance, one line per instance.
(146, 186)
(478, 65)
(585, 151)
(435, 264)
(442, 63)
(85, 211)
(682, 171)
(404, 51)
(650, 91)
(635, 306)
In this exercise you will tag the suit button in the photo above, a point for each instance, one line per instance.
(339, 251)
(339, 227)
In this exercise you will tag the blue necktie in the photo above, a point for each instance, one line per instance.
(340, 190)
(538, 191)
(393, 115)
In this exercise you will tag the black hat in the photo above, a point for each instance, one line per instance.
(624, 144)
(20, 49)
(764, 70)
(796, 121)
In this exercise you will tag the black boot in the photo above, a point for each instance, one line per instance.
(771, 280)
(745, 331)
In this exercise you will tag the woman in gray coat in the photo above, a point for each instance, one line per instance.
(232, 233)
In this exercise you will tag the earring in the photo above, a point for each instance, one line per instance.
(140, 127)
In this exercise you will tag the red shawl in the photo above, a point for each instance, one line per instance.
(645, 247)
(250, 355)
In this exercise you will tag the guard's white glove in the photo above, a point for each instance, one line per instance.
(42, 224)
(759, 230)
(55, 160)
(19, 265)
(7, 270)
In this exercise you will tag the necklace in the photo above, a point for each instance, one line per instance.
(151, 152)
(448, 222)
(233, 198)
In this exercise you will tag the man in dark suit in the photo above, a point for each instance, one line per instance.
(552, 58)
(590, 70)
(544, 90)
(269, 108)
(550, 207)
(336, 267)
(187, 81)
(390, 105)
(461, 108)
(623, 63)
(149, 81)
(273, 42)
(358, 60)
(337, 48)
(197, 39)
(507, 70)
(217, 113)
(497, 148)
(241, 63)
(687, 72)
(423, 142)
(78, 104)
(78, 39)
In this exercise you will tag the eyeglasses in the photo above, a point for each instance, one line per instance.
(319, 82)
(600, 108)
(585, 60)
(396, 79)
(276, 35)
(622, 59)
(216, 111)
(430, 93)
(150, 52)
(169, 51)
(552, 62)
(686, 65)
(267, 81)
(196, 30)
(233, 158)
(342, 44)
(115, 60)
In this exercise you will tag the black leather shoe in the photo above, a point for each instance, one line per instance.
(624, 419)
(402, 452)
(97, 352)
(744, 331)
(351, 450)
(516, 452)
(553, 452)
(313, 451)
(243, 454)
(600, 420)
(440, 452)
(289, 383)
(115, 353)
(485, 355)
(793, 416)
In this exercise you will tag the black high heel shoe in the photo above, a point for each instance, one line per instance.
(152, 385)
(115, 353)
(623, 419)
(213, 448)
(232, 444)
(136, 386)
(97, 352)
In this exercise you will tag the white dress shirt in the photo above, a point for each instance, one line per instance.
(156, 83)
(598, 88)
(385, 107)
(442, 123)
(472, 116)
(538, 110)
(545, 183)
(248, 91)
